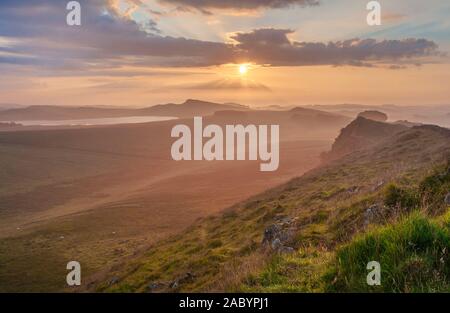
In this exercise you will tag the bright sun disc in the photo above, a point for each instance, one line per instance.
(243, 69)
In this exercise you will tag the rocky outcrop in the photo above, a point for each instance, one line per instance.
(374, 116)
(360, 134)
(278, 235)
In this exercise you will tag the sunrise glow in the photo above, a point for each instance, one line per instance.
(243, 69)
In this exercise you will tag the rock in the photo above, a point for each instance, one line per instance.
(154, 286)
(187, 277)
(372, 213)
(113, 281)
(353, 189)
(270, 233)
(277, 235)
(286, 250)
(276, 244)
(447, 199)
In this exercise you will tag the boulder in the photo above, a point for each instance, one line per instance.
(113, 281)
(372, 214)
(277, 235)
(447, 199)
(276, 244)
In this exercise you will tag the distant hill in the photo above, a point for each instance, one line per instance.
(9, 125)
(190, 108)
(294, 124)
(297, 123)
(44, 112)
(427, 114)
(7, 106)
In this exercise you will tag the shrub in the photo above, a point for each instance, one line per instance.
(396, 197)
(433, 190)
(215, 244)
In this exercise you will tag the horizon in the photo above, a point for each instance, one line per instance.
(252, 106)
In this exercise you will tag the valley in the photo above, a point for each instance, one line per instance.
(99, 195)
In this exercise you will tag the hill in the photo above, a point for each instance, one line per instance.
(187, 109)
(428, 114)
(290, 237)
(191, 108)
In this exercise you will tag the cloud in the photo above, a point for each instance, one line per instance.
(273, 47)
(34, 34)
(206, 5)
(105, 39)
(393, 17)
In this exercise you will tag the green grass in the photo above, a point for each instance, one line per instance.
(298, 272)
(401, 198)
(414, 257)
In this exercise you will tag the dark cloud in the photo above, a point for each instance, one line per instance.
(272, 46)
(105, 38)
(205, 5)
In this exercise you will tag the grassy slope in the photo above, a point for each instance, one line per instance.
(223, 252)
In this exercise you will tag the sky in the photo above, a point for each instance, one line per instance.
(253, 52)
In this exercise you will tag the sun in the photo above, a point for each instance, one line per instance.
(243, 69)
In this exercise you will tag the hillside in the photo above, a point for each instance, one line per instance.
(288, 238)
